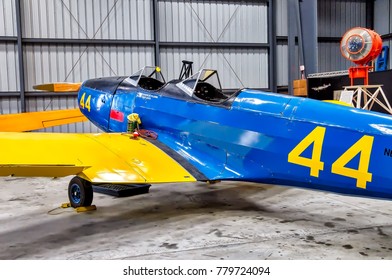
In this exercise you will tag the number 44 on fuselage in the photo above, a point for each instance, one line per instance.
(249, 135)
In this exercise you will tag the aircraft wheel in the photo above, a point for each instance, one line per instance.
(80, 192)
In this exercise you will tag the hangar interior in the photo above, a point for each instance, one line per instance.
(252, 44)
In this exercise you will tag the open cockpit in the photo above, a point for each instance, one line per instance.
(203, 86)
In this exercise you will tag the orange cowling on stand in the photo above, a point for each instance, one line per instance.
(361, 46)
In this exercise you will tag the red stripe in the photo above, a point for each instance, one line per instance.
(117, 115)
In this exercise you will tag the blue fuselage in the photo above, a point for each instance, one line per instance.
(259, 137)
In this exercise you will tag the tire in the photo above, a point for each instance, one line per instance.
(80, 192)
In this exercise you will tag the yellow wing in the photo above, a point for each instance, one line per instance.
(39, 120)
(98, 158)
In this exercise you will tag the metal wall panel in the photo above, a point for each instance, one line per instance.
(9, 77)
(34, 104)
(9, 105)
(382, 16)
(282, 64)
(88, 19)
(389, 44)
(251, 65)
(213, 21)
(49, 63)
(335, 17)
(330, 58)
(383, 22)
(281, 18)
(7, 18)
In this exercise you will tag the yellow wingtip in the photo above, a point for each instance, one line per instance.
(59, 87)
(38, 120)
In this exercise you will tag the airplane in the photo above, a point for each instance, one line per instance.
(189, 130)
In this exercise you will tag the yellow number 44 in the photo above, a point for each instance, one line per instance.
(363, 147)
(83, 104)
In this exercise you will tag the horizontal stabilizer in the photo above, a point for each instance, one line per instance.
(59, 87)
(98, 158)
(38, 120)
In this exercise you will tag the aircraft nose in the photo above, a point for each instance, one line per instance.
(95, 104)
(95, 100)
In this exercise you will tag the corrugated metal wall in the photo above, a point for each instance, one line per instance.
(109, 19)
(9, 105)
(383, 23)
(335, 17)
(9, 79)
(206, 21)
(47, 63)
(217, 22)
(330, 58)
(281, 18)
(282, 49)
(7, 18)
(236, 67)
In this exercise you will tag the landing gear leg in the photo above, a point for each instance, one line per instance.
(80, 192)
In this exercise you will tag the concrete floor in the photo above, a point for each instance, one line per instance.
(228, 220)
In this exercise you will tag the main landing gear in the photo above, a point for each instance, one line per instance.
(80, 192)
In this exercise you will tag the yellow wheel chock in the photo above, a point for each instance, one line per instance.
(80, 209)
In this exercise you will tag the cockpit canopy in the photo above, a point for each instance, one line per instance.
(204, 85)
(149, 77)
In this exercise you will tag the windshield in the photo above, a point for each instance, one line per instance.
(204, 76)
(146, 72)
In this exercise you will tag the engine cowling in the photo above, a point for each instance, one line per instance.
(360, 45)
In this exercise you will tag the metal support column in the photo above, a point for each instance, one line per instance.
(308, 28)
(272, 46)
(370, 14)
(292, 31)
(20, 55)
(156, 32)
(303, 15)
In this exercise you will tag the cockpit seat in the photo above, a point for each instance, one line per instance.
(150, 83)
(208, 92)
